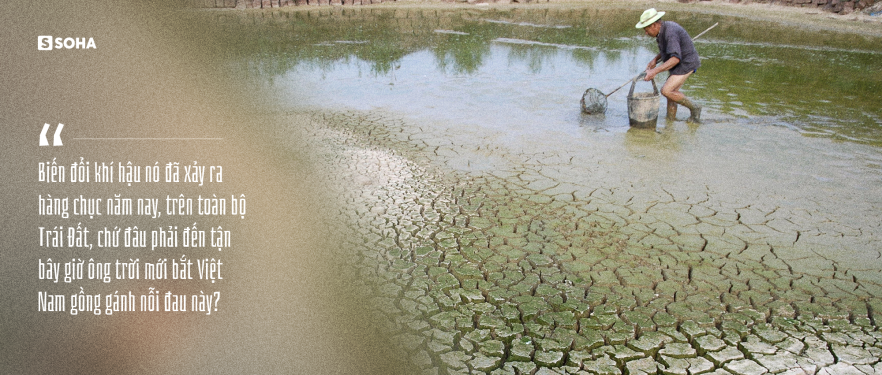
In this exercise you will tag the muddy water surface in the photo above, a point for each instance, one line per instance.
(498, 229)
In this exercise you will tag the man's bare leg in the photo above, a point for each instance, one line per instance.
(671, 90)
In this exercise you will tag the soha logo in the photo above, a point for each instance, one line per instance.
(46, 43)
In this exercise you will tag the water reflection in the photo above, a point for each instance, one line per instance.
(665, 141)
(461, 53)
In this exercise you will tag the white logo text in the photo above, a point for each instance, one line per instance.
(47, 43)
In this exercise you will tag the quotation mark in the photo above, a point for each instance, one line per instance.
(56, 141)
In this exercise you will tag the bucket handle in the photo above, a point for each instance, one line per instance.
(634, 83)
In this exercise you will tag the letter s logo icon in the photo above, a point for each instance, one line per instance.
(44, 43)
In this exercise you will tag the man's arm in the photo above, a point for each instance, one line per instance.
(652, 72)
(653, 62)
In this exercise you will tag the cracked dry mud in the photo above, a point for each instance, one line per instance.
(482, 259)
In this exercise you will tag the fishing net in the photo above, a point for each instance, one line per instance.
(593, 102)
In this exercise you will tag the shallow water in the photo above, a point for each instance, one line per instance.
(492, 66)
(498, 228)
(777, 101)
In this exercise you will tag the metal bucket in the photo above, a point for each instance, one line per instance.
(643, 107)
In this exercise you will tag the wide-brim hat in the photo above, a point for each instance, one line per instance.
(648, 17)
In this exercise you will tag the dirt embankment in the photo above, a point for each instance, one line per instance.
(792, 16)
(832, 6)
(861, 17)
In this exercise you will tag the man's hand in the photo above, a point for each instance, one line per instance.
(650, 74)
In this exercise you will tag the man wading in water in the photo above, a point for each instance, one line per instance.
(680, 58)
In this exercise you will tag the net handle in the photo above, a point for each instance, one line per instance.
(708, 29)
(623, 85)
